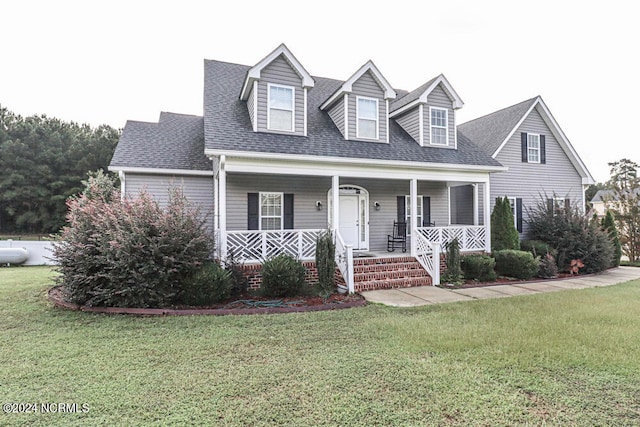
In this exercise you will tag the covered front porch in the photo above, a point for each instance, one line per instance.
(263, 210)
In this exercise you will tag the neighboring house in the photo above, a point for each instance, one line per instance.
(607, 199)
(280, 155)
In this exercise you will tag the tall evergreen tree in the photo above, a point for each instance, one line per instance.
(43, 161)
(609, 225)
(625, 205)
(503, 231)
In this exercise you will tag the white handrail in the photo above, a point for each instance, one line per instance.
(344, 261)
(428, 255)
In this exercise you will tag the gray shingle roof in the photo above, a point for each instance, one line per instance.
(227, 126)
(175, 142)
(411, 96)
(491, 130)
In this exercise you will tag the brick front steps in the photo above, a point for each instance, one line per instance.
(388, 273)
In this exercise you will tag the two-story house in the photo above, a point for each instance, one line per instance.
(280, 155)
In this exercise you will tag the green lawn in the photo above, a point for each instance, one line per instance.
(565, 358)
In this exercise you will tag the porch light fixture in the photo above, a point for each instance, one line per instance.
(319, 205)
(376, 205)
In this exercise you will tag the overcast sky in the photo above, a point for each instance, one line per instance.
(110, 61)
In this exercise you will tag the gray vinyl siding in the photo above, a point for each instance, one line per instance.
(280, 72)
(531, 181)
(307, 190)
(438, 98)
(410, 122)
(250, 102)
(366, 86)
(337, 115)
(197, 189)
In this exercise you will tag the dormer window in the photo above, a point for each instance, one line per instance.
(280, 113)
(438, 126)
(367, 118)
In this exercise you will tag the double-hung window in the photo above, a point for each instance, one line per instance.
(512, 204)
(271, 205)
(533, 148)
(281, 112)
(438, 126)
(367, 118)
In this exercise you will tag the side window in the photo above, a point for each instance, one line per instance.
(533, 148)
(280, 112)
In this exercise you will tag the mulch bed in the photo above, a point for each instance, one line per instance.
(244, 305)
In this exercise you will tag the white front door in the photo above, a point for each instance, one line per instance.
(353, 220)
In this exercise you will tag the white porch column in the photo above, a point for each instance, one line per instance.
(413, 195)
(222, 206)
(475, 204)
(487, 215)
(216, 206)
(335, 202)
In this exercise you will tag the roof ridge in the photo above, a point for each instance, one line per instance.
(500, 110)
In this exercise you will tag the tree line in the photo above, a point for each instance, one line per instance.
(42, 162)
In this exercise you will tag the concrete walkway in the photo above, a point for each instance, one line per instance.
(425, 295)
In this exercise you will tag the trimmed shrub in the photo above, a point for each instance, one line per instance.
(503, 232)
(573, 235)
(128, 252)
(537, 247)
(282, 276)
(209, 285)
(326, 263)
(453, 273)
(517, 264)
(478, 267)
(548, 268)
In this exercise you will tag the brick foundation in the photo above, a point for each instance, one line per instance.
(253, 274)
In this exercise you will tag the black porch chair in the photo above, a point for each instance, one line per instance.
(399, 237)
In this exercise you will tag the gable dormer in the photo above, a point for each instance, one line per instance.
(275, 90)
(360, 106)
(428, 113)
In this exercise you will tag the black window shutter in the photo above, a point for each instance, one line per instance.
(253, 210)
(543, 151)
(550, 205)
(567, 204)
(288, 212)
(525, 154)
(401, 209)
(426, 211)
(519, 215)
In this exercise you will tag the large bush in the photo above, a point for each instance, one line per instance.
(478, 267)
(453, 273)
(128, 252)
(503, 232)
(282, 276)
(517, 264)
(572, 235)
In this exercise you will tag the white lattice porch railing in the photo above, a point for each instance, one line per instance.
(257, 246)
(470, 237)
(428, 255)
(344, 261)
